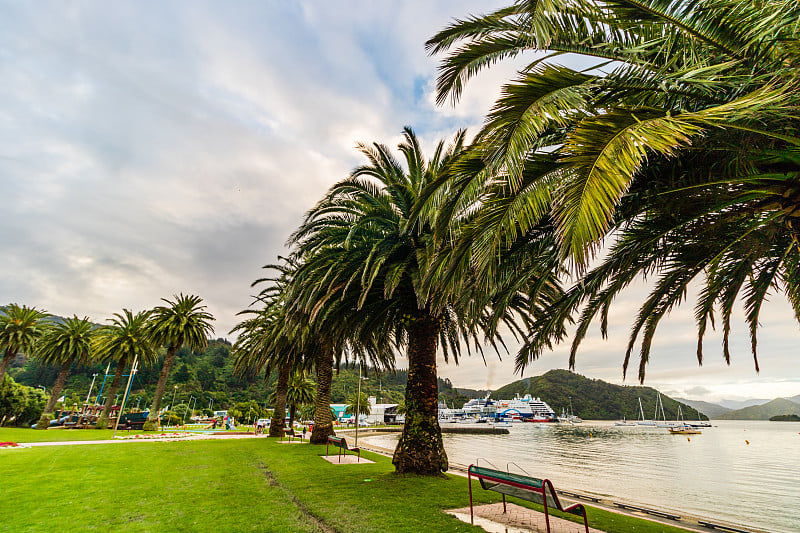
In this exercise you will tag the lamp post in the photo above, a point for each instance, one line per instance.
(173, 397)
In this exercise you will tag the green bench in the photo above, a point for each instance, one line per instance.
(532, 489)
(341, 443)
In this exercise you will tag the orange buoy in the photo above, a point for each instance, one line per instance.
(747, 442)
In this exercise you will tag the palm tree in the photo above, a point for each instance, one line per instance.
(299, 391)
(20, 327)
(63, 344)
(323, 341)
(122, 342)
(367, 253)
(264, 344)
(183, 322)
(358, 405)
(682, 140)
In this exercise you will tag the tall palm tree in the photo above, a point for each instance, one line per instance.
(366, 252)
(261, 345)
(686, 104)
(64, 344)
(20, 327)
(121, 342)
(182, 322)
(299, 391)
(265, 342)
(323, 341)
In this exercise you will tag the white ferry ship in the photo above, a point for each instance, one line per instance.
(526, 409)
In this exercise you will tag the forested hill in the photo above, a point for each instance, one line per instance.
(593, 399)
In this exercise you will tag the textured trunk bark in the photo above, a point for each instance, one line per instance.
(47, 414)
(323, 422)
(152, 417)
(102, 422)
(279, 414)
(7, 358)
(420, 449)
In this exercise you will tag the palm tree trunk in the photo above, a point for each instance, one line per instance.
(420, 449)
(323, 422)
(102, 422)
(7, 358)
(47, 415)
(152, 417)
(279, 414)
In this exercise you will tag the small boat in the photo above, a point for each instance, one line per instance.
(623, 422)
(683, 428)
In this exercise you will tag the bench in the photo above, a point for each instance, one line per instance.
(712, 525)
(532, 489)
(341, 443)
(645, 510)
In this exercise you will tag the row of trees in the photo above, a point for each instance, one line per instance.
(131, 339)
(676, 152)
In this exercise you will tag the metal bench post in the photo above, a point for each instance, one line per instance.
(546, 515)
(471, 518)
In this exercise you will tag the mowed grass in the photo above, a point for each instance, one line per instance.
(233, 485)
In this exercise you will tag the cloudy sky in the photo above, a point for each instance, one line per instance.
(149, 148)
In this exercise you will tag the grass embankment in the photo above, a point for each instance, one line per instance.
(232, 485)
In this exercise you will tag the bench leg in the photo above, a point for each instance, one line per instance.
(546, 515)
(504, 504)
(471, 518)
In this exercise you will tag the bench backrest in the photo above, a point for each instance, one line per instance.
(520, 486)
(339, 441)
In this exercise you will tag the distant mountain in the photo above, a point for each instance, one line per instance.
(711, 410)
(592, 399)
(741, 404)
(795, 399)
(778, 406)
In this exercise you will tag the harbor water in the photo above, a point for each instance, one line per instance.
(743, 472)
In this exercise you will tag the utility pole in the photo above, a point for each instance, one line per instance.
(358, 402)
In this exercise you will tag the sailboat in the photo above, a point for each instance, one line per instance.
(662, 422)
(642, 421)
(683, 428)
(573, 419)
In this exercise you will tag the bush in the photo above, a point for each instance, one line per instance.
(20, 405)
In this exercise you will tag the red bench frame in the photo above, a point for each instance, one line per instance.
(499, 477)
(341, 442)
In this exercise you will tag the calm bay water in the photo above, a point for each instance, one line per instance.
(715, 475)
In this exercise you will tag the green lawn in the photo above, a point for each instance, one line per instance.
(231, 485)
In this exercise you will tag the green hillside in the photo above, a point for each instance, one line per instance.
(778, 406)
(592, 399)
